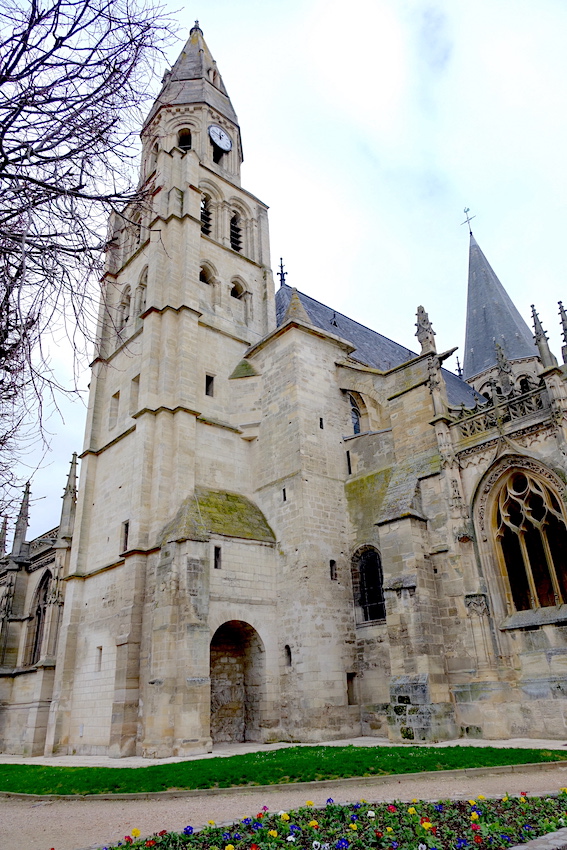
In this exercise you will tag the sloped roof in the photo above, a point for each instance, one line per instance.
(372, 349)
(491, 318)
(190, 80)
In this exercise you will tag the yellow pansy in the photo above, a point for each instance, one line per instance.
(313, 823)
(284, 816)
(472, 802)
(564, 790)
(273, 833)
(389, 829)
(426, 825)
(363, 801)
(481, 797)
(415, 800)
(411, 811)
(229, 847)
(135, 832)
(211, 822)
(309, 803)
(474, 815)
(505, 799)
(353, 826)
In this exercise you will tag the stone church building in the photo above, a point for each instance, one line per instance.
(287, 526)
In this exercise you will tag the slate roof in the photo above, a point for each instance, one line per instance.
(371, 348)
(491, 318)
(188, 81)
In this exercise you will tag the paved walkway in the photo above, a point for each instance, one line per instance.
(70, 824)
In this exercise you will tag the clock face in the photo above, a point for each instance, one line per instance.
(221, 139)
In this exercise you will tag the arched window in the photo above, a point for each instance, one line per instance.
(205, 275)
(354, 414)
(531, 534)
(152, 159)
(141, 291)
(184, 140)
(124, 309)
(237, 290)
(37, 622)
(367, 586)
(206, 215)
(235, 233)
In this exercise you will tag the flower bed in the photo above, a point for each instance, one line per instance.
(447, 825)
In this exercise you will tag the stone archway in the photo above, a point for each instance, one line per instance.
(237, 682)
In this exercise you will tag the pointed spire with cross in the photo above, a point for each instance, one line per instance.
(468, 218)
(563, 317)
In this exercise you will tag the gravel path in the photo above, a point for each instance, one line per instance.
(73, 824)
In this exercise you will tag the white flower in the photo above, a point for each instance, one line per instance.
(370, 814)
(291, 838)
(422, 847)
(316, 845)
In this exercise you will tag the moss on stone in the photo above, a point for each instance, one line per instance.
(217, 512)
(244, 370)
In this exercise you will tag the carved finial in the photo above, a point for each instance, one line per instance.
(468, 218)
(196, 27)
(425, 332)
(3, 535)
(563, 316)
(67, 520)
(22, 523)
(281, 274)
(548, 360)
(459, 369)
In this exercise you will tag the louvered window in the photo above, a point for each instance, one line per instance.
(235, 233)
(205, 216)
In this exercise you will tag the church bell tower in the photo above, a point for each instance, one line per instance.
(188, 289)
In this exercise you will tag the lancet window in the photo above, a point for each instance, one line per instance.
(355, 415)
(124, 309)
(206, 217)
(368, 585)
(36, 624)
(235, 233)
(531, 534)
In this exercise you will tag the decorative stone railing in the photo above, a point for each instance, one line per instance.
(487, 416)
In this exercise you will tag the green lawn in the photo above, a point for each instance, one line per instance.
(294, 764)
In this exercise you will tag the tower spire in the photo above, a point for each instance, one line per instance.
(194, 78)
(22, 523)
(491, 317)
(548, 360)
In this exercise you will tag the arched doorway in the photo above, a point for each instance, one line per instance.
(237, 682)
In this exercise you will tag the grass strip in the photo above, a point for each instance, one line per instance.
(294, 764)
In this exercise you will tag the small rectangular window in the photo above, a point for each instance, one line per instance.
(134, 394)
(113, 412)
(98, 659)
(349, 467)
(333, 570)
(209, 385)
(284, 495)
(351, 688)
(321, 423)
(125, 533)
(218, 558)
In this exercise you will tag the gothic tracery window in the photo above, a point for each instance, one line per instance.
(354, 414)
(206, 215)
(367, 585)
(531, 534)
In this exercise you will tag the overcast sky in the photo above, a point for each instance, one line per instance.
(368, 128)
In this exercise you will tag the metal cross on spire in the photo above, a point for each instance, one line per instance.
(468, 218)
(281, 274)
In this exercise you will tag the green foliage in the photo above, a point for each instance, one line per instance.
(293, 764)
